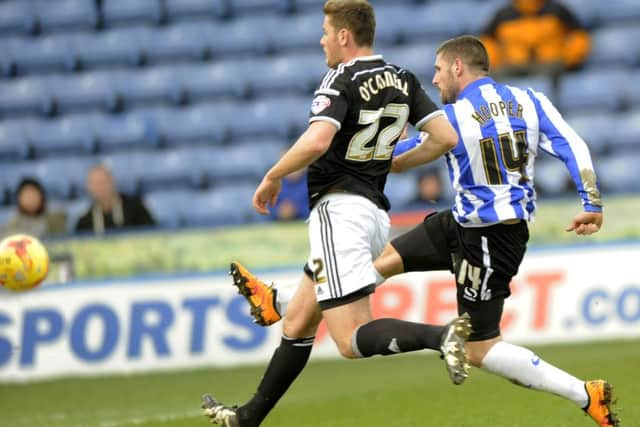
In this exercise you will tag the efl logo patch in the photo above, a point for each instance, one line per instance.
(320, 103)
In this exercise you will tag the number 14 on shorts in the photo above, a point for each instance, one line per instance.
(474, 280)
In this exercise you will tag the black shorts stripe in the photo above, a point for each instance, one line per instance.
(326, 230)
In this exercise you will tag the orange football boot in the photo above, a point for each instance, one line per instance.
(259, 295)
(600, 400)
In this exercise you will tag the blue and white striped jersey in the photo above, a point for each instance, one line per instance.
(501, 128)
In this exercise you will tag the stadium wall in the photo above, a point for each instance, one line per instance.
(560, 294)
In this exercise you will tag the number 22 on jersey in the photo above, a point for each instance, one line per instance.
(358, 151)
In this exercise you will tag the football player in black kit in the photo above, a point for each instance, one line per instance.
(357, 115)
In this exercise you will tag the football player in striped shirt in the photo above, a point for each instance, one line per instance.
(483, 238)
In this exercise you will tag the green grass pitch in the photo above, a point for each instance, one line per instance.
(405, 391)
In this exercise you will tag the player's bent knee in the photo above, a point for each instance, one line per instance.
(345, 349)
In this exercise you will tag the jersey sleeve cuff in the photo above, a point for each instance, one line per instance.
(427, 118)
(326, 119)
(588, 207)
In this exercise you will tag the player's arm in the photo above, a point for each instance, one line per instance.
(441, 138)
(312, 144)
(561, 141)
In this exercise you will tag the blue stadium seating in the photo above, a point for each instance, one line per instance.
(167, 206)
(6, 213)
(119, 12)
(619, 173)
(301, 31)
(401, 189)
(16, 17)
(247, 7)
(537, 83)
(26, 95)
(595, 128)
(66, 14)
(13, 140)
(587, 11)
(182, 9)
(617, 10)
(297, 73)
(127, 168)
(624, 131)
(75, 209)
(87, 91)
(632, 88)
(181, 41)
(122, 131)
(201, 122)
(170, 169)
(282, 117)
(122, 46)
(611, 46)
(46, 53)
(432, 20)
(156, 84)
(416, 57)
(68, 134)
(227, 78)
(239, 36)
(229, 205)
(551, 176)
(392, 19)
(242, 161)
(594, 89)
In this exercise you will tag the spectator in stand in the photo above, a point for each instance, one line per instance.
(429, 195)
(293, 201)
(110, 208)
(32, 216)
(535, 36)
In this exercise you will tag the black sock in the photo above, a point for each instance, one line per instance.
(390, 336)
(286, 364)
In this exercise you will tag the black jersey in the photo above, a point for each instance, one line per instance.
(370, 101)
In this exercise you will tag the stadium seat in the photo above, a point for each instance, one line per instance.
(537, 83)
(13, 140)
(434, 20)
(65, 14)
(619, 173)
(61, 176)
(118, 12)
(65, 135)
(611, 46)
(625, 134)
(246, 7)
(241, 161)
(201, 122)
(396, 16)
(617, 10)
(156, 84)
(122, 131)
(6, 213)
(87, 91)
(179, 9)
(297, 32)
(26, 95)
(122, 46)
(175, 168)
(181, 41)
(168, 206)
(595, 89)
(294, 73)
(228, 205)
(551, 176)
(226, 78)
(239, 36)
(632, 90)
(281, 117)
(75, 209)
(586, 11)
(39, 54)
(16, 17)
(401, 190)
(595, 128)
(127, 168)
(417, 58)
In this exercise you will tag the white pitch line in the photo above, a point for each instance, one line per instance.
(143, 420)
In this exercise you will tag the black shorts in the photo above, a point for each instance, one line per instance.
(482, 259)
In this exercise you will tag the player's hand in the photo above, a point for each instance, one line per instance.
(266, 193)
(586, 223)
(396, 166)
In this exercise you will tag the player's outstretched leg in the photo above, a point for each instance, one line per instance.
(261, 297)
(454, 354)
(601, 399)
(218, 413)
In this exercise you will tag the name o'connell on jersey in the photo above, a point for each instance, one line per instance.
(373, 85)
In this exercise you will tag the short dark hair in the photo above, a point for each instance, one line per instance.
(469, 49)
(31, 182)
(356, 16)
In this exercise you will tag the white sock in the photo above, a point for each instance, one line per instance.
(523, 367)
(284, 294)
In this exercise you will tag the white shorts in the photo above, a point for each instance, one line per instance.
(347, 232)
